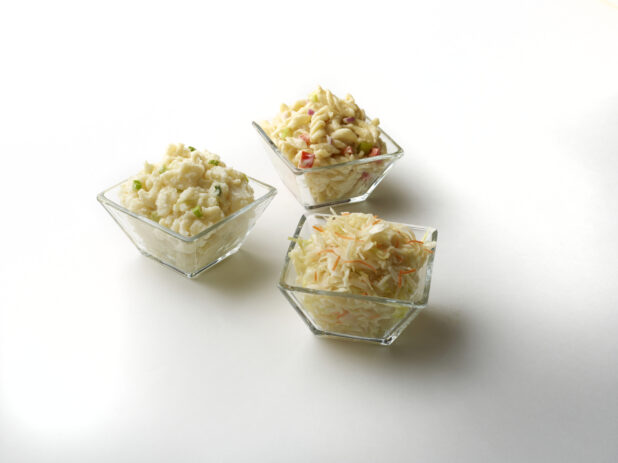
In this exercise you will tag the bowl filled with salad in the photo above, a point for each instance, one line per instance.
(326, 150)
(189, 211)
(357, 276)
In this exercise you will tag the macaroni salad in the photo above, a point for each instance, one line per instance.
(188, 191)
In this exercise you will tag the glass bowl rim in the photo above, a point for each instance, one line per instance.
(282, 285)
(104, 200)
(298, 170)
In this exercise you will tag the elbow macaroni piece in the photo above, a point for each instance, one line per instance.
(188, 191)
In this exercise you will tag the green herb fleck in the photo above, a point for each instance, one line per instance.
(137, 185)
(314, 97)
(218, 188)
(197, 211)
(365, 147)
(155, 217)
(285, 133)
(191, 148)
(244, 178)
(214, 162)
(162, 169)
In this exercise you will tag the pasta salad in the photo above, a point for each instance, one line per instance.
(323, 130)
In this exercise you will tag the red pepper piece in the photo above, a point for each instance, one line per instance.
(306, 160)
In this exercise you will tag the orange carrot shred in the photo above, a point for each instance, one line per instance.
(320, 229)
(414, 241)
(315, 276)
(377, 221)
(345, 213)
(326, 250)
(336, 262)
(357, 261)
(401, 272)
(345, 237)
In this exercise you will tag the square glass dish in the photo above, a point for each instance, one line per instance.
(195, 254)
(354, 316)
(348, 182)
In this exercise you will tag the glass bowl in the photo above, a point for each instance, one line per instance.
(348, 182)
(353, 316)
(195, 254)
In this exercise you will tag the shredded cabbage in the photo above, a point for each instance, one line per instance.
(360, 254)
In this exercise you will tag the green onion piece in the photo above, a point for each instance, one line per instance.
(137, 185)
(214, 162)
(285, 133)
(162, 169)
(314, 97)
(245, 178)
(365, 146)
(155, 217)
(218, 188)
(191, 148)
(197, 211)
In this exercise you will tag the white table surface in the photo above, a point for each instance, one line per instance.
(508, 113)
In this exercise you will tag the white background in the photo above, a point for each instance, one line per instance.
(508, 113)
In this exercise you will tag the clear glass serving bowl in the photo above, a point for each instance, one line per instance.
(348, 182)
(354, 316)
(188, 255)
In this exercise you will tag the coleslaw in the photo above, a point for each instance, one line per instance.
(361, 254)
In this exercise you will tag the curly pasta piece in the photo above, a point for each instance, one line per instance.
(345, 135)
(318, 125)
